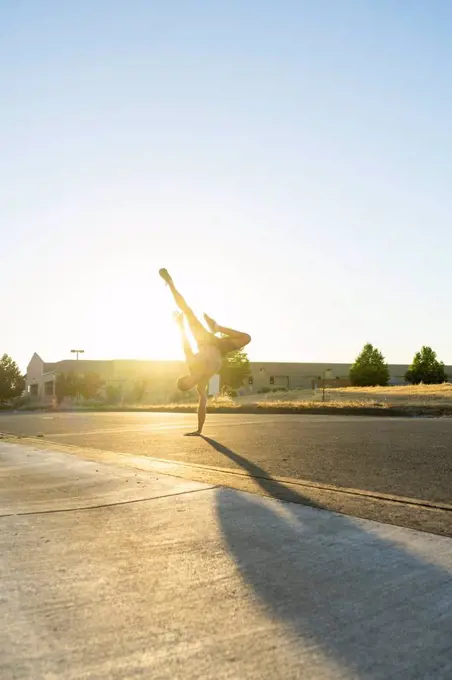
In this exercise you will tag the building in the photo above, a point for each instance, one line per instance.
(159, 377)
(271, 375)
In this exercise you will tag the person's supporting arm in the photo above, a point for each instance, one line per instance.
(202, 406)
(202, 409)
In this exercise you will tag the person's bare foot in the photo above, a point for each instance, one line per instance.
(192, 434)
(165, 276)
(211, 323)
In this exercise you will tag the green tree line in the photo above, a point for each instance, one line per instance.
(370, 368)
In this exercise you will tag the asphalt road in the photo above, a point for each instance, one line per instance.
(409, 458)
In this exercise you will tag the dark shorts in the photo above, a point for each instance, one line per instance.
(204, 337)
(225, 345)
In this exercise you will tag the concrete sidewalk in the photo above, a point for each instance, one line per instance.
(111, 572)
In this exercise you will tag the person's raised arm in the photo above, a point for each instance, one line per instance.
(179, 318)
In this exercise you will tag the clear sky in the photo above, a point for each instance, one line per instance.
(290, 163)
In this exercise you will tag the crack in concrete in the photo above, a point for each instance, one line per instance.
(107, 505)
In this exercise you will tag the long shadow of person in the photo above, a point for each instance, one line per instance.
(375, 599)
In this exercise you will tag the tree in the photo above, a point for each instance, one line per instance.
(369, 368)
(65, 386)
(139, 390)
(235, 368)
(89, 385)
(426, 368)
(113, 394)
(71, 385)
(12, 382)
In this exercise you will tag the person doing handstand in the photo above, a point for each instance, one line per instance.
(211, 349)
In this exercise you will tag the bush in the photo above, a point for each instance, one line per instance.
(139, 390)
(179, 397)
(113, 394)
(228, 391)
(20, 402)
(16, 403)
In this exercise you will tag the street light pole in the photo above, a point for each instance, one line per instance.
(77, 352)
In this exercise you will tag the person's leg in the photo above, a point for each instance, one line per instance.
(200, 333)
(237, 339)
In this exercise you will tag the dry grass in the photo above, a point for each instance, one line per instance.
(402, 399)
(399, 395)
(382, 397)
(318, 403)
(403, 389)
(427, 400)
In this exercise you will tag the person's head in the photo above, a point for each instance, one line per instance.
(187, 382)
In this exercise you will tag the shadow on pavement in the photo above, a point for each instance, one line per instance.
(369, 597)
